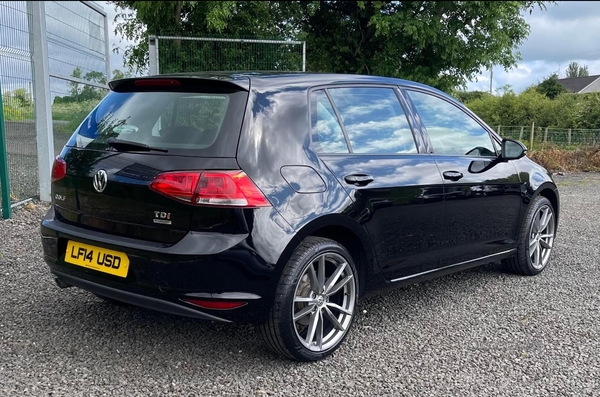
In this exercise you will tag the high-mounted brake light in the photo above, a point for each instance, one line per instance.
(157, 83)
(59, 169)
(215, 188)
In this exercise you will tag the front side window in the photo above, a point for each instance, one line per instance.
(374, 120)
(451, 130)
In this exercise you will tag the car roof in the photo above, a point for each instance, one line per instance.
(276, 80)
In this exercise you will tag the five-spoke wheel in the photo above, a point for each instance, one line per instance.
(536, 239)
(541, 237)
(324, 302)
(314, 303)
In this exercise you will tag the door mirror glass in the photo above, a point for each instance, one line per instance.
(512, 150)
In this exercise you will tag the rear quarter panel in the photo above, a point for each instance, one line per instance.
(274, 150)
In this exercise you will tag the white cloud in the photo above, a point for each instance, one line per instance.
(564, 33)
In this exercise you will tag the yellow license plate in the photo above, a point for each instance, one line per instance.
(100, 259)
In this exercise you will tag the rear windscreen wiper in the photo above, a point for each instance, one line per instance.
(125, 146)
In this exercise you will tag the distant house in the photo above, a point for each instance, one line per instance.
(581, 85)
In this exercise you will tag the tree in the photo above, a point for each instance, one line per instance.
(81, 92)
(19, 97)
(119, 74)
(440, 43)
(551, 87)
(574, 70)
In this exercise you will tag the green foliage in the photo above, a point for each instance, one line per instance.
(17, 105)
(574, 70)
(73, 112)
(79, 92)
(577, 111)
(441, 43)
(119, 74)
(551, 87)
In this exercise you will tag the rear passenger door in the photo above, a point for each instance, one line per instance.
(363, 135)
(482, 194)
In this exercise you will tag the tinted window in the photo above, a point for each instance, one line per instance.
(173, 120)
(326, 131)
(374, 120)
(450, 129)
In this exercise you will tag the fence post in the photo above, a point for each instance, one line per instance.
(4, 182)
(41, 88)
(152, 57)
(546, 135)
(569, 137)
(531, 136)
(304, 56)
(521, 133)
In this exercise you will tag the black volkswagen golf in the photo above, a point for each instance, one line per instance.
(282, 199)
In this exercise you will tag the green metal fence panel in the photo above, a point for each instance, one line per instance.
(76, 49)
(193, 54)
(16, 80)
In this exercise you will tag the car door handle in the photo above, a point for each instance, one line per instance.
(452, 175)
(358, 179)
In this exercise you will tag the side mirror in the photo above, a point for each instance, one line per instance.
(512, 150)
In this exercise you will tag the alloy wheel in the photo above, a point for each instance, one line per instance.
(324, 302)
(541, 237)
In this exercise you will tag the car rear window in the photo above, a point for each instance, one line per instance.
(205, 123)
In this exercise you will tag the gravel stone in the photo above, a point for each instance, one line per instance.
(481, 332)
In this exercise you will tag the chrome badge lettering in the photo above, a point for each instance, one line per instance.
(164, 218)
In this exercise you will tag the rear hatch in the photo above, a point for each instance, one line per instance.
(134, 166)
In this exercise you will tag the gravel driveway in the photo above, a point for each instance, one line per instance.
(481, 332)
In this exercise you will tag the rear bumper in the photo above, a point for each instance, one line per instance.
(160, 276)
(134, 299)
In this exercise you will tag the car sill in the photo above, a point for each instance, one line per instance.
(451, 266)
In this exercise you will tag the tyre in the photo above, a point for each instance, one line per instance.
(536, 239)
(314, 303)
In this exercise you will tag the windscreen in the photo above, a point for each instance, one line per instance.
(178, 122)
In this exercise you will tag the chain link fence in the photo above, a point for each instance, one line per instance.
(76, 36)
(539, 137)
(193, 54)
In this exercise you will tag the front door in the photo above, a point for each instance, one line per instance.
(482, 192)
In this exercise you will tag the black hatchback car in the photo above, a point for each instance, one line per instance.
(281, 199)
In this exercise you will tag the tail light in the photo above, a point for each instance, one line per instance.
(59, 169)
(218, 188)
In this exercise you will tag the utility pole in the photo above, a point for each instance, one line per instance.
(491, 78)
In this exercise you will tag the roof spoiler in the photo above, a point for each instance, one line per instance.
(177, 84)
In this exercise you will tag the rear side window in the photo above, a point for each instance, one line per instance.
(327, 133)
(374, 120)
(176, 121)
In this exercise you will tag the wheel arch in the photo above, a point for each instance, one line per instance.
(549, 191)
(347, 232)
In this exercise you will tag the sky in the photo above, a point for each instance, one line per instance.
(565, 32)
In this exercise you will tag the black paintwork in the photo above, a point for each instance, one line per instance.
(399, 216)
